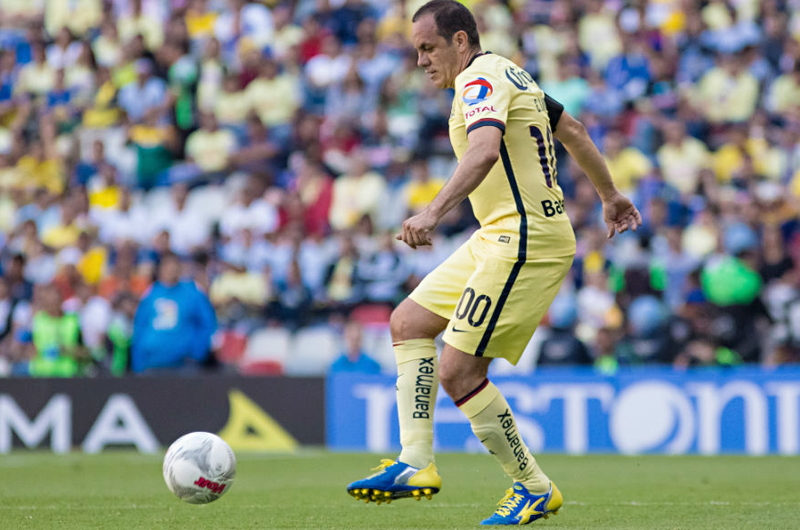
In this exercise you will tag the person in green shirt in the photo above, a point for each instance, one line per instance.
(120, 334)
(56, 337)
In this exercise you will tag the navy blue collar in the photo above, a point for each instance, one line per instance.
(475, 57)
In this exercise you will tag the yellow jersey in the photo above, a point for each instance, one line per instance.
(519, 202)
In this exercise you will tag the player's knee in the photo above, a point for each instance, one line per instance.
(448, 378)
(410, 321)
(458, 380)
(399, 324)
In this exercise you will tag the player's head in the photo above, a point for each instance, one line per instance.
(445, 36)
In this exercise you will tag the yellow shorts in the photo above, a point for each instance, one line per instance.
(493, 301)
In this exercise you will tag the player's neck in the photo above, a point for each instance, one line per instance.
(466, 61)
(469, 57)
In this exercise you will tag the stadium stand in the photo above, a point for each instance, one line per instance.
(274, 146)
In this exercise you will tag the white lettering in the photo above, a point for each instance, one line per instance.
(379, 400)
(576, 418)
(787, 397)
(711, 401)
(652, 415)
(120, 422)
(55, 417)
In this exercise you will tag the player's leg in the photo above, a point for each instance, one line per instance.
(532, 495)
(500, 308)
(413, 329)
(463, 377)
(414, 325)
(413, 474)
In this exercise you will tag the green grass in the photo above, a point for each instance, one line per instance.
(125, 490)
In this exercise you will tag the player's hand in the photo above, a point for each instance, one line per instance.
(418, 230)
(620, 214)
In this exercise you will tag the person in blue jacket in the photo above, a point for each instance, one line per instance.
(174, 322)
(354, 358)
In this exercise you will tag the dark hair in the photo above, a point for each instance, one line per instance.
(450, 17)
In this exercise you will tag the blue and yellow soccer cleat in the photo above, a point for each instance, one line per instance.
(396, 480)
(519, 506)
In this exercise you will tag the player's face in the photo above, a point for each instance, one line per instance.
(439, 59)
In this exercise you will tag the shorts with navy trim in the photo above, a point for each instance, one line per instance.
(493, 300)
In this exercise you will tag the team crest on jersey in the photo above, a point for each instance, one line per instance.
(476, 91)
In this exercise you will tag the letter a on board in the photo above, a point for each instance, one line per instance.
(250, 428)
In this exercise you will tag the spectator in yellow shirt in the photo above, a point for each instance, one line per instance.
(287, 34)
(104, 192)
(232, 107)
(140, 23)
(728, 92)
(67, 231)
(107, 47)
(199, 20)
(79, 16)
(356, 194)
(103, 110)
(682, 157)
(598, 35)
(210, 147)
(36, 77)
(784, 93)
(422, 188)
(41, 167)
(718, 15)
(731, 157)
(237, 288)
(627, 164)
(794, 185)
(20, 13)
(274, 96)
(94, 258)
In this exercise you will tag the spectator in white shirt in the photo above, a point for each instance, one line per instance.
(188, 230)
(64, 52)
(329, 67)
(127, 223)
(243, 19)
(94, 313)
(146, 93)
(252, 211)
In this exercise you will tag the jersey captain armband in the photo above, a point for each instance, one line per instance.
(554, 111)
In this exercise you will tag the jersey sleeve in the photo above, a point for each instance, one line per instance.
(485, 100)
(554, 111)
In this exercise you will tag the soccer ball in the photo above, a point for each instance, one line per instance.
(199, 467)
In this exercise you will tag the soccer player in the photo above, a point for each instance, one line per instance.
(490, 294)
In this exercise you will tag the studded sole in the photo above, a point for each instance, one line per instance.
(377, 496)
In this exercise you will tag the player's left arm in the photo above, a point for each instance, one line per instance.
(618, 211)
(478, 159)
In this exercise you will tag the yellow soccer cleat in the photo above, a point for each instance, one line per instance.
(520, 506)
(396, 480)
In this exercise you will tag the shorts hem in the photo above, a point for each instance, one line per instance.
(447, 338)
(447, 315)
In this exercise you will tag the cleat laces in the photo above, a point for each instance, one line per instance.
(385, 462)
(508, 503)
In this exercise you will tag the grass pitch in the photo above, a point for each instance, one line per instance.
(306, 491)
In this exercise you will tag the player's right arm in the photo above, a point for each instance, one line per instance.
(618, 211)
(478, 159)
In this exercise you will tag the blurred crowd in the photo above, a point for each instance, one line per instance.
(179, 175)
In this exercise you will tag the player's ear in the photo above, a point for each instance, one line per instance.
(461, 40)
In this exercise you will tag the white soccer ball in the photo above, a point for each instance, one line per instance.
(199, 467)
